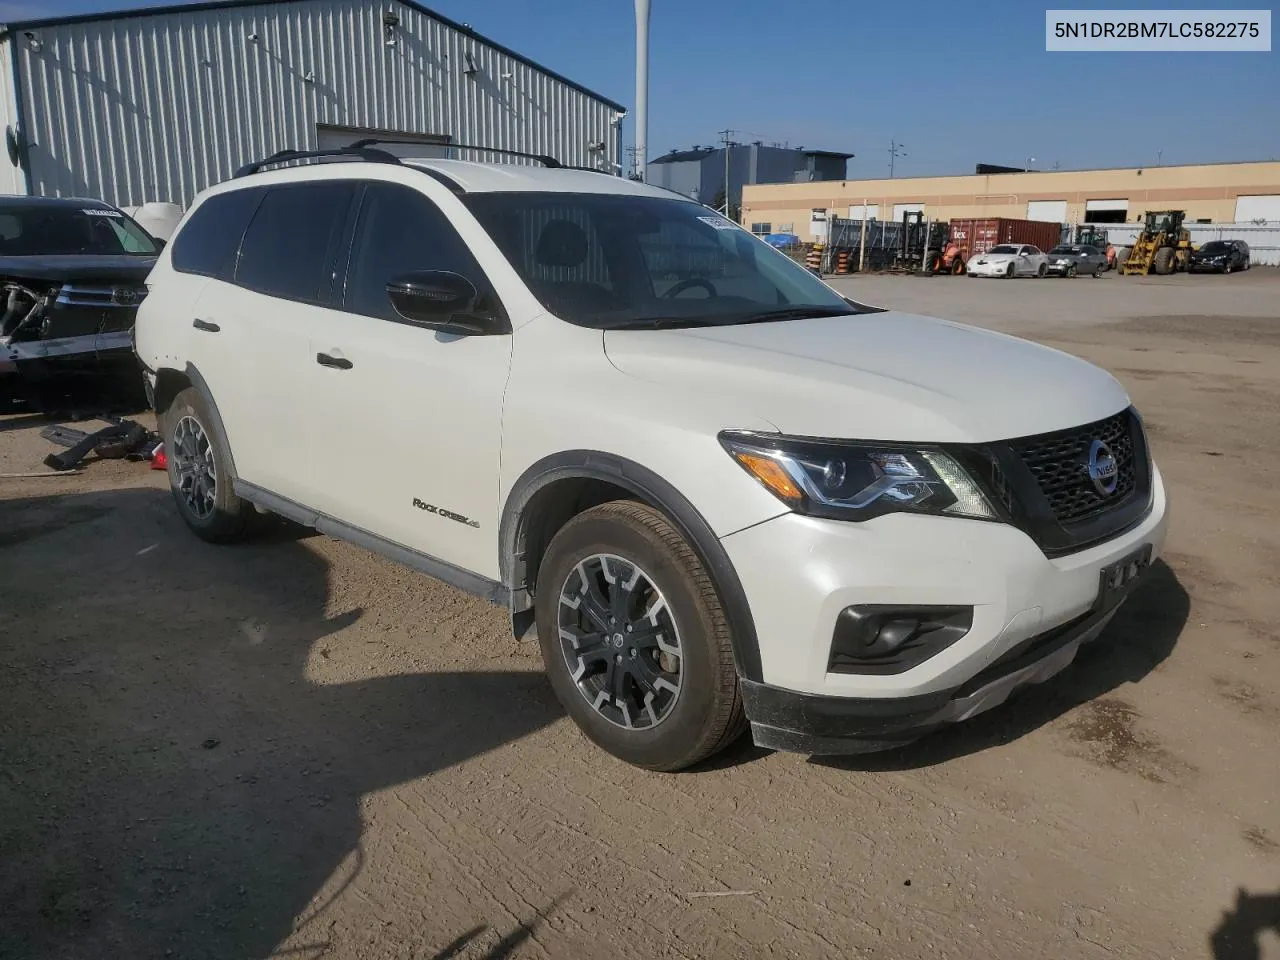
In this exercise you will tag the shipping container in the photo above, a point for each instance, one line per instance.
(978, 235)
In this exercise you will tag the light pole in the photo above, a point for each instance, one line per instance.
(642, 88)
(1030, 161)
(895, 151)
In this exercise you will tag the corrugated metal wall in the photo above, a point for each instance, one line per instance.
(158, 107)
(12, 179)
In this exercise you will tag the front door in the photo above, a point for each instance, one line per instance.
(411, 417)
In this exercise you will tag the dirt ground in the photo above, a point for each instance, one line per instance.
(296, 749)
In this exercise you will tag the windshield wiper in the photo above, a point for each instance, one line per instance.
(664, 323)
(795, 313)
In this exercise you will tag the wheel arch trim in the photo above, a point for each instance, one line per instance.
(644, 483)
(202, 387)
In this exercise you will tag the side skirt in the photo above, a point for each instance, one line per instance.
(465, 580)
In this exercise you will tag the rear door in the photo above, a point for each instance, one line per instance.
(261, 321)
(410, 419)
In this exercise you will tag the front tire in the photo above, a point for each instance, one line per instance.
(1042, 271)
(1010, 271)
(634, 638)
(199, 474)
(1163, 263)
(1071, 271)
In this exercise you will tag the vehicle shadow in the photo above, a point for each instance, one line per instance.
(1236, 936)
(1138, 639)
(174, 780)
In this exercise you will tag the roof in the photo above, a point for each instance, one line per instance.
(515, 178)
(22, 200)
(162, 9)
(680, 156)
(828, 153)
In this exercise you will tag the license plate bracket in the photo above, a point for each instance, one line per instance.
(1116, 580)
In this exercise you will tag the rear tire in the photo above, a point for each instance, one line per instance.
(660, 691)
(1163, 263)
(200, 475)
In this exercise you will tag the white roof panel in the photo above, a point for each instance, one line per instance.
(515, 178)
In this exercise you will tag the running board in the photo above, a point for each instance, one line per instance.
(464, 580)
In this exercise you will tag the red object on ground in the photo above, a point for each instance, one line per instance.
(978, 235)
(158, 460)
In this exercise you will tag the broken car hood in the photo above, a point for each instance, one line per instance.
(79, 269)
(875, 376)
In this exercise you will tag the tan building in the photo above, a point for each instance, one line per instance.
(1210, 193)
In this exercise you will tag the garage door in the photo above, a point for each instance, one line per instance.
(1052, 211)
(1106, 211)
(870, 212)
(414, 145)
(900, 208)
(1262, 207)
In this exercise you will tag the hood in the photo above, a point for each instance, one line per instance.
(879, 376)
(997, 257)
(1209, 254)
(81, 269)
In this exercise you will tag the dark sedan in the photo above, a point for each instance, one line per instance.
(1220, 256)
(72, 273)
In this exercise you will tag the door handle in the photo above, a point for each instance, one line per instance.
(338, 363)
(205, 325)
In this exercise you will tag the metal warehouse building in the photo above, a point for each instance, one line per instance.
(157, 104)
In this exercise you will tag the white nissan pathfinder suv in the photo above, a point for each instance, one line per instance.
(721, 493)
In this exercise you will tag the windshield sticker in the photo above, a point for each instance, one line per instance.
(720, 223)
(102, 213)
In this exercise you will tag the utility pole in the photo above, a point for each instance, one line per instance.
(895, 151)
(726, 136)
(642, 88)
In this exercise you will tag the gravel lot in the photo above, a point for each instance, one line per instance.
(297, 749)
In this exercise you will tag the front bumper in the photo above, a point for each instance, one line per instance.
(987, 269)
(799, 573)
(1060, 269)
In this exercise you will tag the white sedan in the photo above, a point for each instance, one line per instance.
(1009, 260)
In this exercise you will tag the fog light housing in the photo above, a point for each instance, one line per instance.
(891, 638)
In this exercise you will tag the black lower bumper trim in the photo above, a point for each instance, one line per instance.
(811, 723)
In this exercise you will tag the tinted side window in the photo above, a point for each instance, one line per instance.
(400, 231)
(289, 246)
(208, 241)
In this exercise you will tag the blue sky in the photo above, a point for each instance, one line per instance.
(957, 82)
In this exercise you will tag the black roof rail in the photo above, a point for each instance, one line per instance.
(542, 158)
(353, 152)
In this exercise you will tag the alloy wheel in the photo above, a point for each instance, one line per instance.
(196, 473)
(620, 641)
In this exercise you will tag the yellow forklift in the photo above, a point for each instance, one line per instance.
(1163, 245)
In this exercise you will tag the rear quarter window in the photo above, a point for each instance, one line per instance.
(208, 241)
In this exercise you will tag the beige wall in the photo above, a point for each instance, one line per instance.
(1205, 191)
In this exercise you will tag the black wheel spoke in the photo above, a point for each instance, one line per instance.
(620, 641)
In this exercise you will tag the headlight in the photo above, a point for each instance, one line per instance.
(857, 481)
(1063, 263)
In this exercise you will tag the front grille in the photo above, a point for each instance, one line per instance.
(1059, 464)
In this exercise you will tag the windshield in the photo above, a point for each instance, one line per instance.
(1067, 250)
(610, 261)
(1003, 248)
(49, 230)
(1215, 246)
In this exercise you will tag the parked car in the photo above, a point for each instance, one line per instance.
(72, 275)
(719, 492)
(1220, 256)
(1009, 260)
(1069, 259)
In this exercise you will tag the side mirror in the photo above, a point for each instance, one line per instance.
(1023, 253)
(441, 300)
